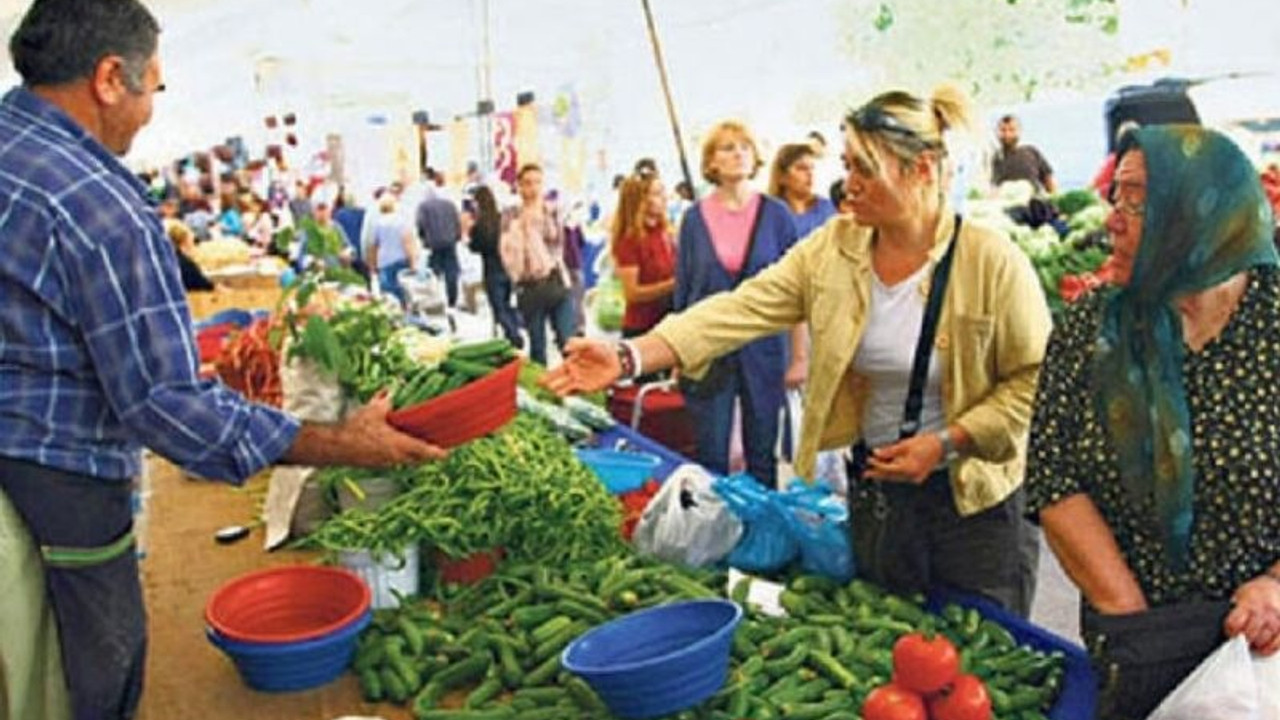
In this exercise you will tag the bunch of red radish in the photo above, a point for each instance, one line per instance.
(928, 685)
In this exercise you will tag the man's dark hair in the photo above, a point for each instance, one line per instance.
(1008, 119)
(527, 168)
(60, 41)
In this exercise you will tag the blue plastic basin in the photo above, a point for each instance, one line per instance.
(620, 471)
(289, 666)
(657, 661)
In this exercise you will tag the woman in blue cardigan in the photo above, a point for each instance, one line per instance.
(725, 238)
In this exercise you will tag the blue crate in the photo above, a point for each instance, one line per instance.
(621, 437)
(1079, 697)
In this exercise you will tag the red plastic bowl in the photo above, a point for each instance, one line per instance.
(469, 570)
(472, 411)
(287, 604)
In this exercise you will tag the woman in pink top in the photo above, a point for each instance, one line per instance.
(725, 238)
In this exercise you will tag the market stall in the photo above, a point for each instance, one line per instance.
(519, 550)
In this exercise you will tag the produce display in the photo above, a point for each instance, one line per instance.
(844, 651)
(249, 364)
(521, 489)
(1065, 255)
(461, 365)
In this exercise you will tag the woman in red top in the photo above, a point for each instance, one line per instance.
(643, 252)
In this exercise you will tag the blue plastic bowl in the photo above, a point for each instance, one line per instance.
(289, 666)
(620, 471)
(232, 316)
(657, 661)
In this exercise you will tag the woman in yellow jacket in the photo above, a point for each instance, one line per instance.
(938, 500)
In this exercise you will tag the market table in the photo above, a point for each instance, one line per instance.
(187, 677)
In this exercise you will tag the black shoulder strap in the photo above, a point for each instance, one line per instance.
(924, 346)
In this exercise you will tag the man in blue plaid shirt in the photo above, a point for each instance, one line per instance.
(96, 351)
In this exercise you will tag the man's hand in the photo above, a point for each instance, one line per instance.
(1256, 614)
(910, 461)
(364, 439)
(589, 365)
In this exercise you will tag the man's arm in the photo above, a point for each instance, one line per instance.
(134, 320)
(364, 439)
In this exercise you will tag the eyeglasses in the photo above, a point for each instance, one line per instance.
(1129, 199)
(870, 118)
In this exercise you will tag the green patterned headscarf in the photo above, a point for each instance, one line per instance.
(1206, 219)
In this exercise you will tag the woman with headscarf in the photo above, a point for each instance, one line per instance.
(1154, 463)
(929, 379)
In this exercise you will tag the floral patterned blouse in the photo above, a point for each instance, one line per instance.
(1233, 391)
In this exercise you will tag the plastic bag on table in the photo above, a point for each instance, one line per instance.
(819, 519)
(767, 542)
(1223, 687)
(687, 522)
(311, 393)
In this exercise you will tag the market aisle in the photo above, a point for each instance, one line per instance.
(186, 676)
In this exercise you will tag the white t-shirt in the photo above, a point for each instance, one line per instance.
(885, 356)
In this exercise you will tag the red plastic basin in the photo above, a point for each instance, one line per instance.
(287, 604)
(472, 411)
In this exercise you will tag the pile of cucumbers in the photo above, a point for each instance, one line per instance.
(464, 364)
(494, 652)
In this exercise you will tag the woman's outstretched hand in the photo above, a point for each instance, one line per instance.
(589, 365)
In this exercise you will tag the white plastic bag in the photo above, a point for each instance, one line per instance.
(687, 522)
(1266, 672)
(1223, 687)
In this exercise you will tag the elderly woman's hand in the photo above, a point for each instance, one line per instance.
(1257, 614)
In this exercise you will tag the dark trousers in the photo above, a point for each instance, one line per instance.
(713, 422)
(560, 315)
(389, 281)
(497, 287)
(916, 540)
(444, 263)
(102, 625)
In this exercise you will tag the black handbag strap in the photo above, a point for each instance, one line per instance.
(924, 345)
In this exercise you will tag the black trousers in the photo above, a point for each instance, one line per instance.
(102, 627)
(909, 538)
(444, 263)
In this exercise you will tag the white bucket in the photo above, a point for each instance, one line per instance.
(386, 574)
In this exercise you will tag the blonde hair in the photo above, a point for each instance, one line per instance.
(386, 203)
(787, 155)
(180, 235)
(906, 125)
(721, 131)
(629, 215)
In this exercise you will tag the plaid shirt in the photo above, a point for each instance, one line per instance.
(96, 350)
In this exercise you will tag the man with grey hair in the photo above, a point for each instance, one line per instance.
(97, 357)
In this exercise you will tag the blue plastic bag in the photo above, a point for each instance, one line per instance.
(767, 543)
(819, 521)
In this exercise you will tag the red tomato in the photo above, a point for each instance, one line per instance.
(924, 666)
(891, 702)
(966, 699)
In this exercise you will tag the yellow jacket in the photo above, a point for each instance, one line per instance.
(990, 341)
